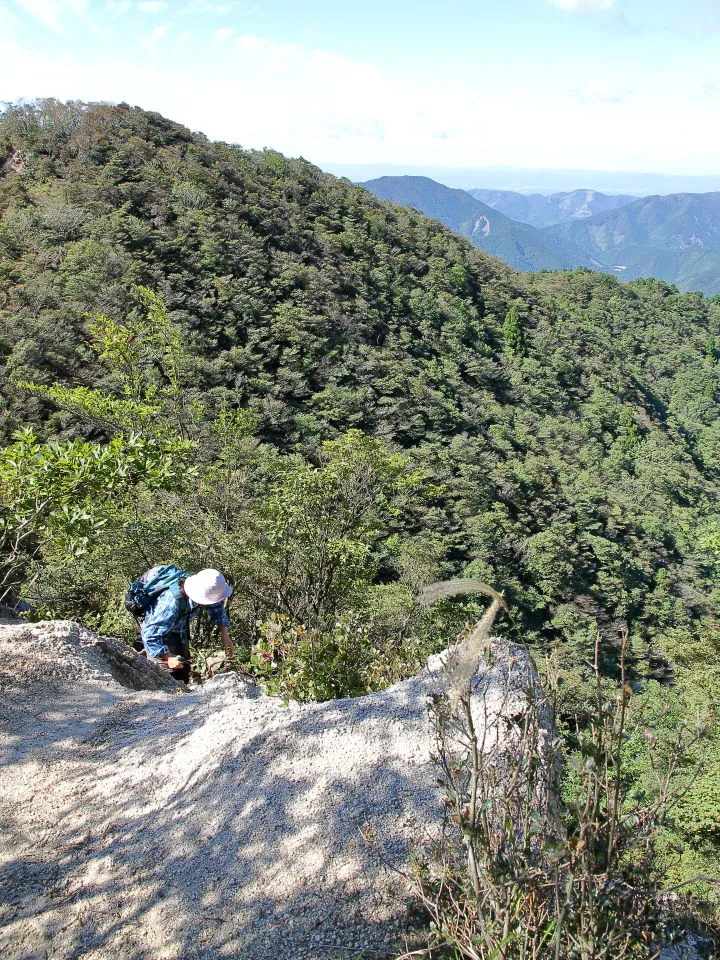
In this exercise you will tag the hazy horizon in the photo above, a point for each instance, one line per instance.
(526, 180)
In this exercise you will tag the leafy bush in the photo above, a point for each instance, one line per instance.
(58, 500)
(301, 664)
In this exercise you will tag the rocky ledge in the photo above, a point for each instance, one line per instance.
(141, 820)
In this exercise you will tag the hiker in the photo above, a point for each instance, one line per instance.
(165, 629)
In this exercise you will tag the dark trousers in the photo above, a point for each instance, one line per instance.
(179, 645)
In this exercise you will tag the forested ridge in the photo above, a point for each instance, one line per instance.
(555, 435)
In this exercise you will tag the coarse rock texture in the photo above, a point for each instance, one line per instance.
(143, 821)
(690, 947)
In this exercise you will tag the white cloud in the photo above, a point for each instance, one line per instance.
(601, 92)
(216, 9)
(152, 6)
(52, 13)
(332, 109)
(160, 31)
(224, 33)
(8, 22)
(45, 12)
(584, 4)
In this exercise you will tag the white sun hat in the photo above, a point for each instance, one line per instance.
(207, 586)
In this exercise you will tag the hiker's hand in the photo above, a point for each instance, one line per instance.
(229, 648)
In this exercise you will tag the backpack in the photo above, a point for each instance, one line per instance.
(143, 591)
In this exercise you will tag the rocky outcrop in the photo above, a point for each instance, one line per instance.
(143, 820)
(14, 163)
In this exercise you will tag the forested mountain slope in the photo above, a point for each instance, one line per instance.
(674, 238)
(575, 444)
(518, 244)
(566, 426)
(578, 455)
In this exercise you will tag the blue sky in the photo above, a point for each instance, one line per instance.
(589, 84)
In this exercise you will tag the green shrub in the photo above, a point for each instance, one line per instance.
(309, 664)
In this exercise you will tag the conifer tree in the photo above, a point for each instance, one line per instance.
(513, 332)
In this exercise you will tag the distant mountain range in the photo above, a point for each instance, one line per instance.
(675, 238)
(519, 244)
(543, 211)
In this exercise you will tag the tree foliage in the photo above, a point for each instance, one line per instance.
(57, 500)
(371, 403)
